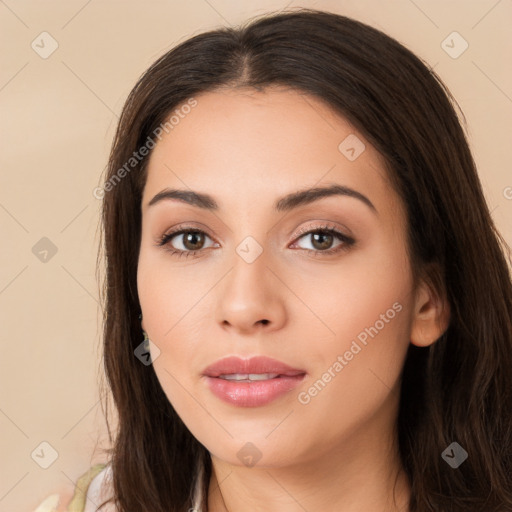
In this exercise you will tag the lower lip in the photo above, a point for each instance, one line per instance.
(252, 394)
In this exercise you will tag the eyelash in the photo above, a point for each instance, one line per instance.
(347, 241)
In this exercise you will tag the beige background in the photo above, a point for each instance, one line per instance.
(58, 119)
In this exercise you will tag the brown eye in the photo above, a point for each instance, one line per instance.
(193, 240)
(185, 241)
(321, 241)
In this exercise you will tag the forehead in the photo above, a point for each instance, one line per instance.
(246, 144)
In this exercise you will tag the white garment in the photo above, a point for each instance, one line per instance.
(100, 489)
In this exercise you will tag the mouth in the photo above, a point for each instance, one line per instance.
(251, 382)
(254, 368)
(251, 377)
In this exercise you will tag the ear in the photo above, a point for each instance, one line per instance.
(431, 315)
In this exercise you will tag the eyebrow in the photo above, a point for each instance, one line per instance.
(286, 203)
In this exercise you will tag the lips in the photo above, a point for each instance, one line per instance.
(251, 382)
(255, 365)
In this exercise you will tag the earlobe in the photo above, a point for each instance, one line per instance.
(431, 316)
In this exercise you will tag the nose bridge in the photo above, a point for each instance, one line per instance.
(249, 295)
(248, 277)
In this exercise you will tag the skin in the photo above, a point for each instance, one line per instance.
(247, 149)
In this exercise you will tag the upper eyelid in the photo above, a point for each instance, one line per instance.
(326, 226)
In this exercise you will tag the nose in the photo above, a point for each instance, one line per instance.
(250, 298)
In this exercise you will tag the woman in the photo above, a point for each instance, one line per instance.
(308, 306)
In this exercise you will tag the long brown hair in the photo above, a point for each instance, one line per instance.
(457, 390)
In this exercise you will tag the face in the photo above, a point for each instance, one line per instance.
(321, 283)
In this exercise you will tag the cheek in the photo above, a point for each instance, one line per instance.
(357, 382)
(171, 300)
(369, 350)
(357, 366)
(170, 295)
(370, 289)
(364, 306)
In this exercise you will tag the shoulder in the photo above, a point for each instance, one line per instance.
(100, 489)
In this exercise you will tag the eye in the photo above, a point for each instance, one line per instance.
(185, 241)
(322, 238)
(189, 241)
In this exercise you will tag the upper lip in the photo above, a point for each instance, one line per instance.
(257, 364)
